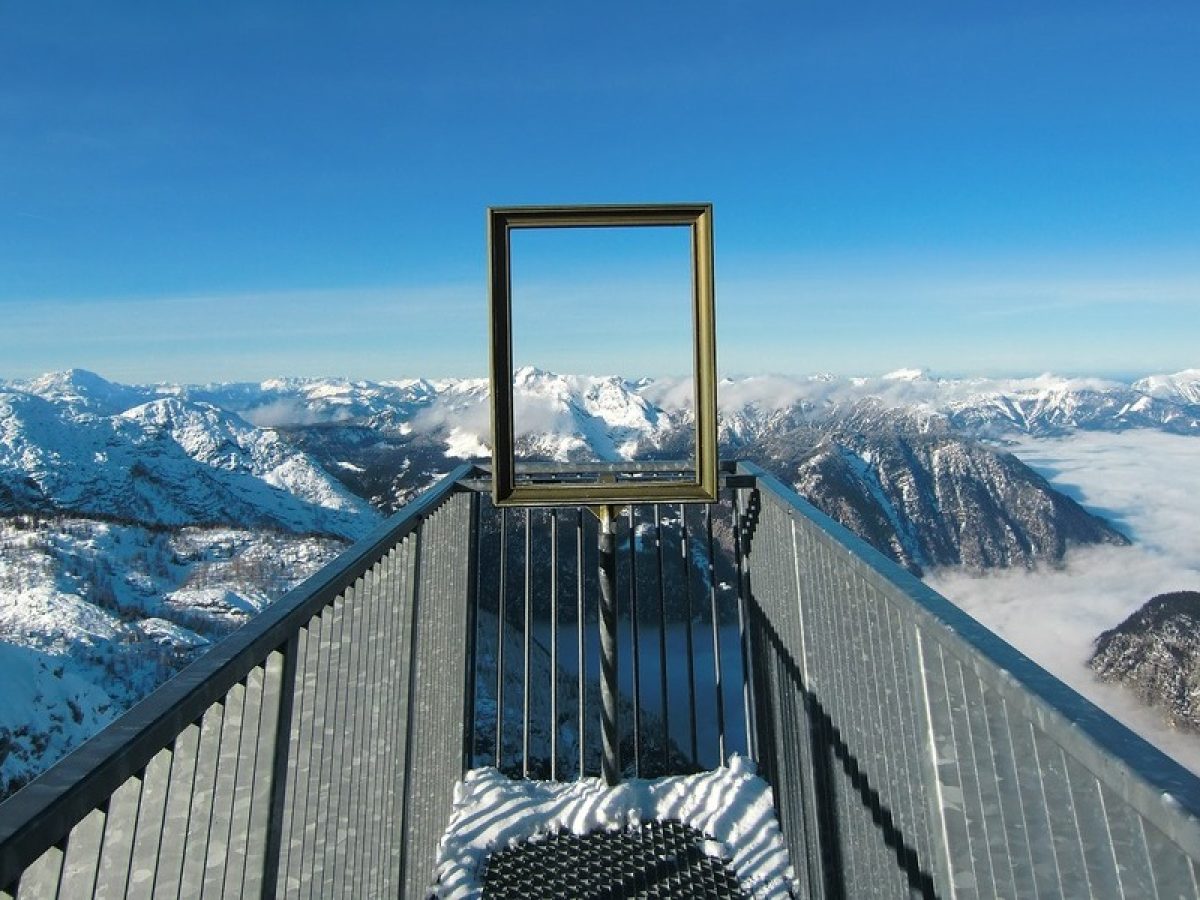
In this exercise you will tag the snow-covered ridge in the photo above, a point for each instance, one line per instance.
(609, 417)
(1182, 386)
(174, 455)
(75, 443)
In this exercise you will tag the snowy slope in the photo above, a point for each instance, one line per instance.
(165, 462)
(95, 614)
(925, 496)
(137, 526)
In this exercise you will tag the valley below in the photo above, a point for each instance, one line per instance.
(1145, 482)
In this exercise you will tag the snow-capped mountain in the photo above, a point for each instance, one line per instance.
(137, 526)
(94, 614)
(161, 462)
(1182, 387)
(175, 455)
(80, 391)
(1064, 407)
(633, 414)
(895, 458)
(908, 484)
(568, 418)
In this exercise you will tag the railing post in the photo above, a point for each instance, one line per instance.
(279, 767)
(473, 600)
(611, 763)
(741, 545)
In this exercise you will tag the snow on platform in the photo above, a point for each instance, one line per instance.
(731, 806)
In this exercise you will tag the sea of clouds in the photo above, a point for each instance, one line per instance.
(1147, 484)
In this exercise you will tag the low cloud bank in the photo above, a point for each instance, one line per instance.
(292, 411)
(1145, 482)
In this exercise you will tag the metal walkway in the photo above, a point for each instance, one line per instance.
(314, 752)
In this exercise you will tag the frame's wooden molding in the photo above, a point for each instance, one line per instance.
(698, 485)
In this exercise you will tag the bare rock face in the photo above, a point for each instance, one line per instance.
(925, 495)
(1156, 653)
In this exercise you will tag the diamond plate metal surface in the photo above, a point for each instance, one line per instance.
(656, 859)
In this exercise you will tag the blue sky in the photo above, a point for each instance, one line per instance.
(225, 191)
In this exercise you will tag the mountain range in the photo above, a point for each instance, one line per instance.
(138, 523)
(72, 445)
(900, 459)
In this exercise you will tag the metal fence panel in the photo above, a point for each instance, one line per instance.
(434, 758)
(41, 880)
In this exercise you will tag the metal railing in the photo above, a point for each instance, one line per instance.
(312, 753)
(680, 661)
(914, 753)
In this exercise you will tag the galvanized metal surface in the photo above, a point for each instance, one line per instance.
(271, 763)
(914, 753)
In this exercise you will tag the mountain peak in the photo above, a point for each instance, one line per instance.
(82, 390)
(1181, 387)
(530, 373)
(77, 379)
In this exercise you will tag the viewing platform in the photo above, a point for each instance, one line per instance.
(315, 753)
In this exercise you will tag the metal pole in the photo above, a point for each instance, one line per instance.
(554, 645)
(527, 640)
(580, 645)
(611, 762)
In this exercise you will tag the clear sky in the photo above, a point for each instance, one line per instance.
(239, 190)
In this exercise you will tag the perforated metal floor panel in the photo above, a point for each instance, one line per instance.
(657, 859)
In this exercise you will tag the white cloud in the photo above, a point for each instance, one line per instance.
(1147, 483)
(292, 411)
(470, 416)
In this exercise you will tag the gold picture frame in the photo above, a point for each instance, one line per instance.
(603, 484)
